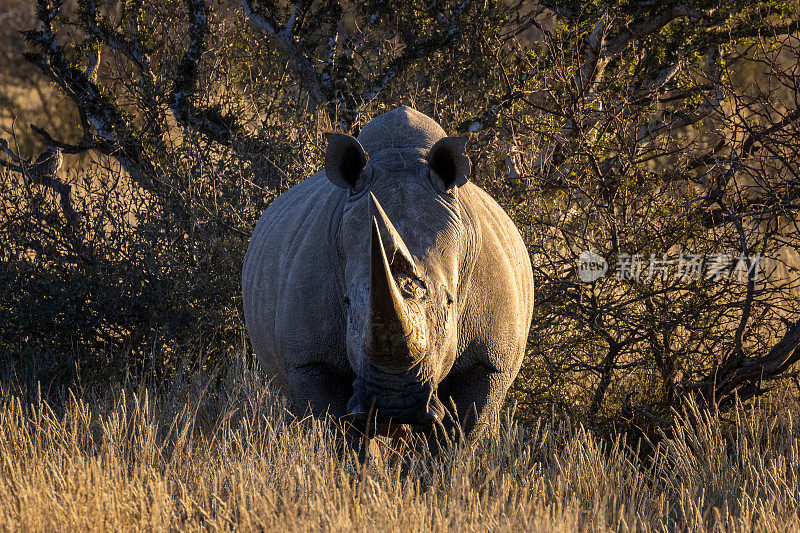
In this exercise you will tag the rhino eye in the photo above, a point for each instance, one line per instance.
(411, 287)
(347, 302)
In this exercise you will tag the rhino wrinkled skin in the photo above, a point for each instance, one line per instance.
(389, 284)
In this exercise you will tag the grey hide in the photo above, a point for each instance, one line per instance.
(390, 284)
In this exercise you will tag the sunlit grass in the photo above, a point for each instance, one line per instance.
(196, 457)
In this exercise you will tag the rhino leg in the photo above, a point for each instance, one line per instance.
(477, 395)
(318, 389)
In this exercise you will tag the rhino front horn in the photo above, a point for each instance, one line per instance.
(396, 338)
(394, 248)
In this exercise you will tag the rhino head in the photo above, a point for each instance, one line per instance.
(401, 249)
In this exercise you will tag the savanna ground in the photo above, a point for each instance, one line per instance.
(625, 128)
(188, 457)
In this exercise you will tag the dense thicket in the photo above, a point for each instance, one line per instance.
(634, 130)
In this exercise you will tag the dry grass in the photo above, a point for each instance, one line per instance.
(194, 459)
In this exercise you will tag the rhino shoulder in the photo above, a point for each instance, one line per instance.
(282, 290)
(498, 293)
(483, 209)
(298, 199)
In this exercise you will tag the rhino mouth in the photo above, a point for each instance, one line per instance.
(400, 400)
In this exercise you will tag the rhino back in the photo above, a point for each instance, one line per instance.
(497, 293)
(289, 276)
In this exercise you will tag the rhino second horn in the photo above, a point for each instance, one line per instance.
(396, 338)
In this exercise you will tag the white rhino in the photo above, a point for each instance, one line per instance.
(389, 284)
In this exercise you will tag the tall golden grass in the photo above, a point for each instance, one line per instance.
(195, 458)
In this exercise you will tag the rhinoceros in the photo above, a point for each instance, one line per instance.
(388, 285)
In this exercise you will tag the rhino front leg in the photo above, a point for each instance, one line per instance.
(477, 395)
(318, 389)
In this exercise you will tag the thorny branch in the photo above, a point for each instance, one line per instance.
(33, 172)
(210, 122)
(326, 85)
(105, 128)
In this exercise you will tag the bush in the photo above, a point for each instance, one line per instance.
(617, 128)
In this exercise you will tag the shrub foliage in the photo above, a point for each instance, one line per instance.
(622, 128)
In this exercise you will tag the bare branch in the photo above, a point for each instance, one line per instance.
(86, 144)
(742, 376)
(418, 50)
(671, 121)
(210, 122)
(110, 132)
(284, 36)
(42, 172)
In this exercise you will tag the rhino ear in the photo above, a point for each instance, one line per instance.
(449, 164)
(345, 159)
